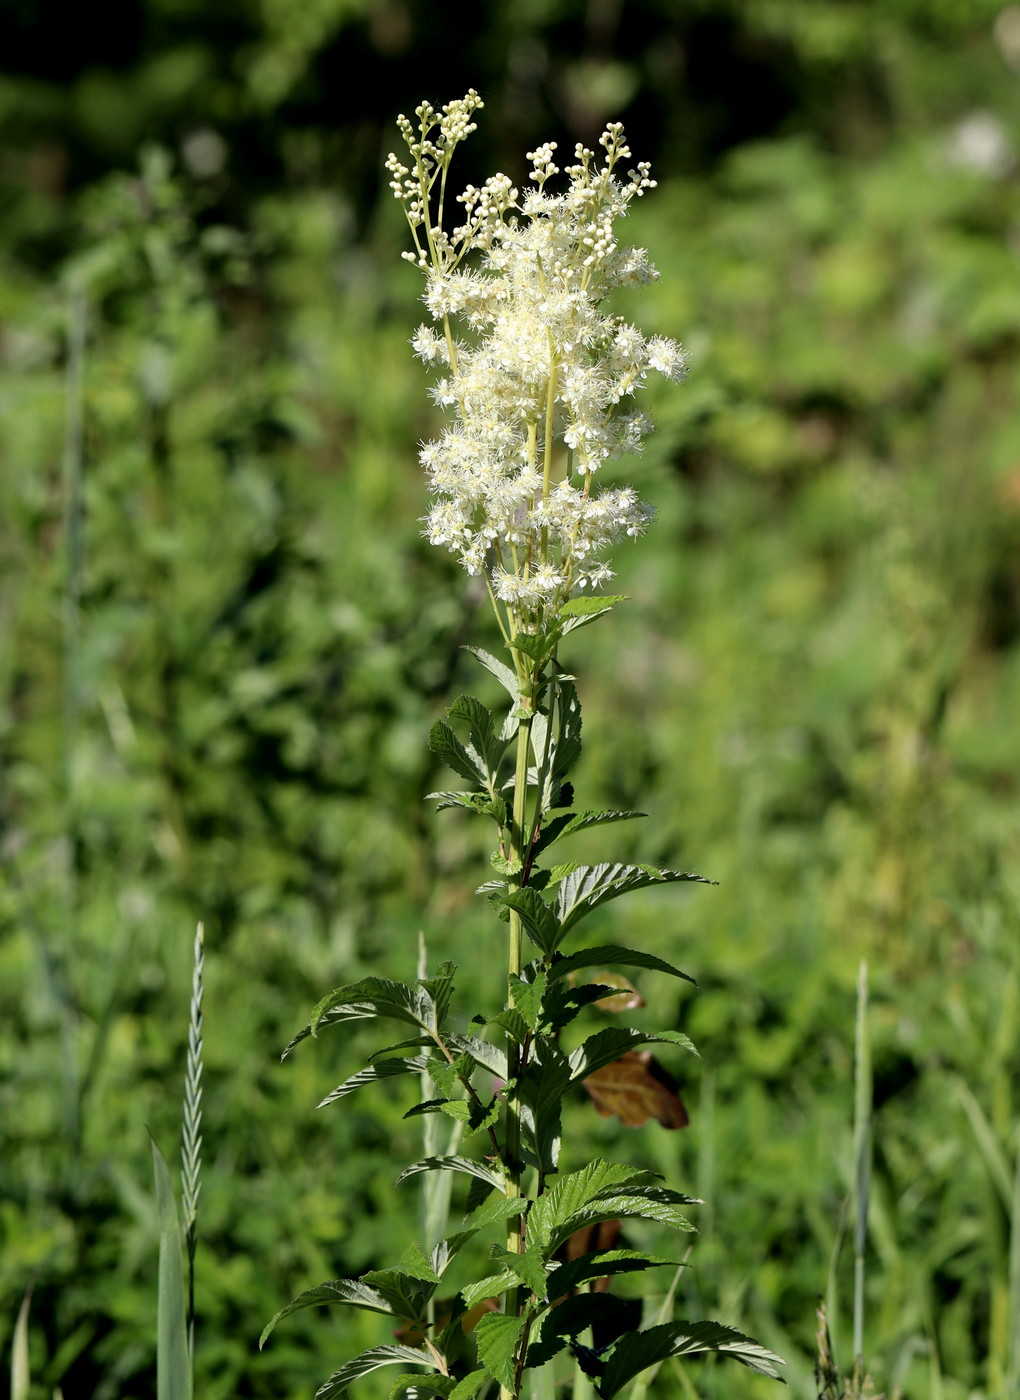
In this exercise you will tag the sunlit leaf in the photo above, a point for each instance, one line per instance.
(590, 886)
(498, 1337)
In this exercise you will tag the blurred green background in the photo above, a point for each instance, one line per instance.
(222, 642)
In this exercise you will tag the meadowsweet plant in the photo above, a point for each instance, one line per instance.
(538, 383)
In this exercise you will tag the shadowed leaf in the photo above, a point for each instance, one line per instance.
(639, 1350)
(628, 998)
(367, 1361)
(607, 1046)
(350, 1292)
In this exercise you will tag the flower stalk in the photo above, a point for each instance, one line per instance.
(538, 388)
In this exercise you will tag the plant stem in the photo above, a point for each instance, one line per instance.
(512, 1135)
(518, 839)
(862, 1155)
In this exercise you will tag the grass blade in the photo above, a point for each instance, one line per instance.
(173, 1363)
(1013, 1380)
(862, 1153)
(21, 1377)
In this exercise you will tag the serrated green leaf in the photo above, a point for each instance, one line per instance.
(602, 1263)
(368, 998)
(648, 1203)
(563, 1003)
(458, 1109)
(463, 1165)
(469, 1387)
(612, 955)
(590, 886)
(570, 1193)
(407, 1295)
(504, 866)
(577, 1314)
(412, 1386)
(486, 1056)
(635, 1351)
(414, 1263)
(513, 1023)
(540, 923)
(608, 1045)
(540, 1089)
(382, 1069)
(506, 677)
(440, 989)
(538, 646)
(371, 1360)
(572, 822)
(592, 605)
(444, 743)
(347, 1292)
(526, 997)
(528, 1268)
(491, 1286)
(495, 1211)
(498, 1337)
(487, 743)
(556, 738)
(449, 1076)
(472, 801)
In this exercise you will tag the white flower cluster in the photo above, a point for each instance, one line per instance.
(539, 387)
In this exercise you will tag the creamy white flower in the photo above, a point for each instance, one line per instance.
(536, 387)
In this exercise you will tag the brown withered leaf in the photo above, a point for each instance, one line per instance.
(635, 1088)
(628, 998)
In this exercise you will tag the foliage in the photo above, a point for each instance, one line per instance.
(812, 695)
(535, 392)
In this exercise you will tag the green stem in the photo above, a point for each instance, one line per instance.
(512, 1136)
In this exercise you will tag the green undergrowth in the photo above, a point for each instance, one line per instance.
(223, 715)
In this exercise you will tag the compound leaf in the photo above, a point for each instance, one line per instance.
(612, 955)
(348, 1292)
(608, 1045)
(367, 1361)
(636, 1351)
(382, 1069)
(588, 886)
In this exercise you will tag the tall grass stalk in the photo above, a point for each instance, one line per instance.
(74, 556)
(1013, 1373)
(191, 1138)
(1003, 1190)
(173, 1358)
(863, 1102)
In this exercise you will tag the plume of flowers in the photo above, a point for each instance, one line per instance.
(538, 381)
